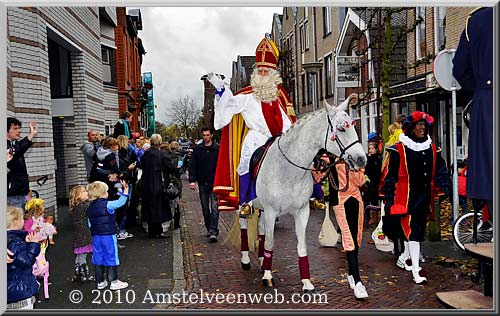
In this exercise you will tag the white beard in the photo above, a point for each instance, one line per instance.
(265, 88)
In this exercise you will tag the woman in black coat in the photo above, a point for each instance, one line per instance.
(155, 206)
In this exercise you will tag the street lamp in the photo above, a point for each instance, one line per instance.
(313, 68)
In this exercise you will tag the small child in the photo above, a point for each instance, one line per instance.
(22, 286)
(82, 244)
(35, 222)
(102, 218)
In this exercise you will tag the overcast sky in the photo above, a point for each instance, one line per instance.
(183, 44)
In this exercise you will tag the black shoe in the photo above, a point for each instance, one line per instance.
(212, 239)
(77, 277)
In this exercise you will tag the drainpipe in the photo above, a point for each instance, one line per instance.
(296, 70)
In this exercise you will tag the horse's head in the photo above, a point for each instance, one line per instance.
(343, 141)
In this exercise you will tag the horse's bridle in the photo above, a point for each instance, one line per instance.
(342, 148)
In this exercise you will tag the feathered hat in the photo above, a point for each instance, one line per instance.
(35, 202)
(266, 54)
(412, 119)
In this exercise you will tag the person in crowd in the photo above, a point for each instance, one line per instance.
(122, 126)
(415, 168)
(317, 200)
(175, 179)
(156, 169)
(202, 172)
(17, 177)
(101, 137)
(345, 197)
(102, 219)
(22, 286)
(107, 168)
(89, 150)
(390, 224)
(127, 168)
(82, 243)
(473, 68)
(180, 158)
(373, 172)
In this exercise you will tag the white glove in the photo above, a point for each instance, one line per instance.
(216, 80)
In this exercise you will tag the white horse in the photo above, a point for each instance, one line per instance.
(285, 183)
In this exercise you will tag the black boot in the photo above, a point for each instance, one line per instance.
(85, 273)
(90, 277)
(77, 275)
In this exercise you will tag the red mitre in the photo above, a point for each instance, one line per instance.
(266, 54)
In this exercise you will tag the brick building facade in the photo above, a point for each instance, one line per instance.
(59, 75)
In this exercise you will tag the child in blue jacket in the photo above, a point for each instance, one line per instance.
(22, 286)
(102, 219)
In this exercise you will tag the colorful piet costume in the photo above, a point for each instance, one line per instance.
(415, 168)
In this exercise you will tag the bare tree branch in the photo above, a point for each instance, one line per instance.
(184, 112)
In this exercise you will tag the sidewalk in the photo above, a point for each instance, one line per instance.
(215, 268)
(146, 264)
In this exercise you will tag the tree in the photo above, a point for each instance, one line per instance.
(185, 113)
(172, 132)
(392, 31)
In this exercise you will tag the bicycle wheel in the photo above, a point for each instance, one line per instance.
(463, 228)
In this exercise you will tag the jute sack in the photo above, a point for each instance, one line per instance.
(328, 236)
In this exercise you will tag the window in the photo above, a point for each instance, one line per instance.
(440, 32)
(59, 71)
(302, 38)
(286, 13)
(373, 116)
(310, 78)
(328, 76)
(108, 65)
(327, 21)
(420, 33)
(303, 79)
(306, 30)
(342, 15)
(320, 77)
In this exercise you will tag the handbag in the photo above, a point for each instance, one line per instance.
(170, 191)
(381, 241)
(328, 236)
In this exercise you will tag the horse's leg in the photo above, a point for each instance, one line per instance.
(301, 219)
(269, 218)
(245, 259)
(262, 236)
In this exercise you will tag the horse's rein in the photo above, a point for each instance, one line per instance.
(327, 167)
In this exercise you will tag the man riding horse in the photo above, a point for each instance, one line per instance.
(248, 119)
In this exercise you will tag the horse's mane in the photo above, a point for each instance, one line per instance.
(303, 120)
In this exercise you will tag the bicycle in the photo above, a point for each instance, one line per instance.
(463, 229)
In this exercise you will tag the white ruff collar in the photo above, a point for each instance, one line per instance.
(408, 142)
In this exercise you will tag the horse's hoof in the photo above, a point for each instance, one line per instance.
(268, 282)
(245, 266)
(306, 291)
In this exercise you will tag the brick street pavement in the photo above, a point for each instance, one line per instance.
(215, 268)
